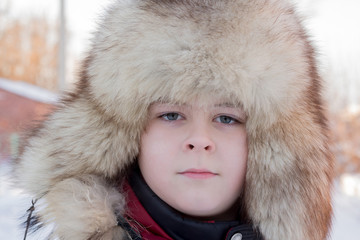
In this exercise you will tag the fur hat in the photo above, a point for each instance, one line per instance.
(252, 53)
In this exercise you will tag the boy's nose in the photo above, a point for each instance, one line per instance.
(199, 143)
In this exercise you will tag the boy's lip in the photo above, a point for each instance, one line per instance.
(196, 173)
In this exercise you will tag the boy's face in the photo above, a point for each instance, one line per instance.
(194, 158)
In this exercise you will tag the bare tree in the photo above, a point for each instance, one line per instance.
(28, 50)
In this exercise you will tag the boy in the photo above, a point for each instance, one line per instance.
(191, 120)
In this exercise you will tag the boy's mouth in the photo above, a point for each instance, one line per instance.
(198, 173)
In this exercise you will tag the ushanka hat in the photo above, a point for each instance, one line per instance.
(251, 53)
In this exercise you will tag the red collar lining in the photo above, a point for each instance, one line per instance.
(140, 219)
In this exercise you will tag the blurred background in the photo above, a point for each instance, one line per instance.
(42, 43)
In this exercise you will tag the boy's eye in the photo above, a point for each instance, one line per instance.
(226, 119)
(171, 116)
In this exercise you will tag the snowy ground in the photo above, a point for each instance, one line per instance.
(346, 223)
(346, 202)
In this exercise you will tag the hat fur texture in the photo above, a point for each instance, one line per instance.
(252, 53)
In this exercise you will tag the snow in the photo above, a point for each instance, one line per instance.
(13, 202)
(29, 91)
(13, 206)
(346, 201)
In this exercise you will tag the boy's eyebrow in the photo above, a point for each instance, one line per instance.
(169, 103)
(229, 105)
(224, 104)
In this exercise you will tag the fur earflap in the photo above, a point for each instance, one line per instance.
(69, 199)
(251, 53)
